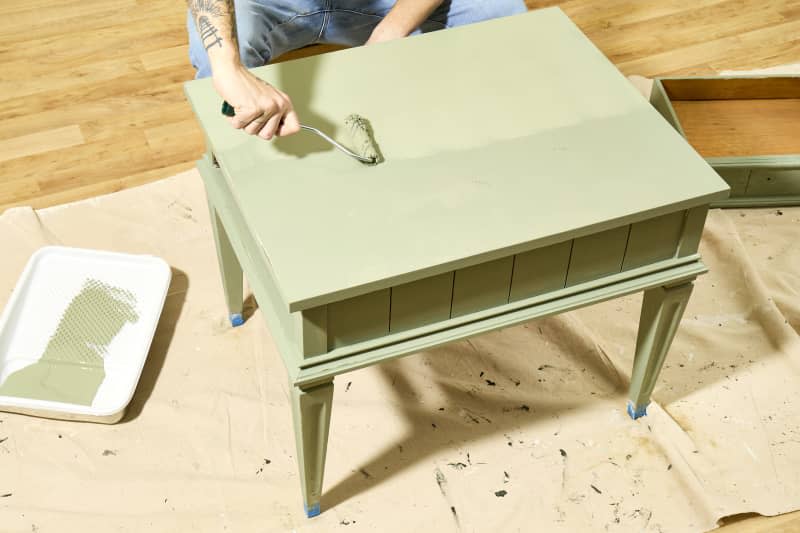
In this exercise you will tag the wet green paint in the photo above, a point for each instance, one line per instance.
(71, 368)
(363, 138)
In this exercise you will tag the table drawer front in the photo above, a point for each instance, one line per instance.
(653, 240)
(358, 319)
(422, 302)
(597, 255)
(481, 286)
(769, 182)
(513, 278)
(540, 271)
(748, 182)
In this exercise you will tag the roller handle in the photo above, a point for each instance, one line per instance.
(227, 109)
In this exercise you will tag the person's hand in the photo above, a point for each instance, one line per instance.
(386, 31)
(404, 17)
(261, 109)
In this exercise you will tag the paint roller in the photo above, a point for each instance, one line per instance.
(365, 148)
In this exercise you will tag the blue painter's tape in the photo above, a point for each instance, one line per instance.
(236, 319)
(636, 413)
(312, 511)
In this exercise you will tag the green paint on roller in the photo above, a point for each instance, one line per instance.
(71, 368)
(363, 138)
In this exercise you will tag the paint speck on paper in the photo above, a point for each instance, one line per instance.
(441, 481)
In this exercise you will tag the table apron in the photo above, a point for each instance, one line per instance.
(312, 372)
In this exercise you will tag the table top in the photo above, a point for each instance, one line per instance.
(499, 137)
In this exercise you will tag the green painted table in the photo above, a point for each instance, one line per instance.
(524, 177)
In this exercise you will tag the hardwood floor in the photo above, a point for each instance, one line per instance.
(92, 96)
(93, 99)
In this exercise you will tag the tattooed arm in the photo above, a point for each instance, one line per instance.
(261, 109)
(217, 28)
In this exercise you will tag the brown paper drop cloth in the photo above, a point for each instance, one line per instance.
(519, 430)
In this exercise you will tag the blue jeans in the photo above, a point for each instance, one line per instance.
(270, 28)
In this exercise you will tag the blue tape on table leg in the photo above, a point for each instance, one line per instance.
(637, 413)
(312, 511)
(236, 319)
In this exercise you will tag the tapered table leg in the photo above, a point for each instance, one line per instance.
(662, 309)
(311, 410)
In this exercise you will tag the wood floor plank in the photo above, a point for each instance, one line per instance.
(163, 138)
(146, 83)
(630, 33)
(779, 51)
(611, 15)
(65, 78)
(139, 34)
(667, 35)
(18, 191)
(139, 113)
(59, 17)
(61, 169)
(98, 188)
(176, 56)
(34, 5)
(40, 142)
(690, 59)
(102, 118)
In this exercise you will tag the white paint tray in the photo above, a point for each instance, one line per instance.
(75, 333)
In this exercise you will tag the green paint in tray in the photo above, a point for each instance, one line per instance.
(71, 368)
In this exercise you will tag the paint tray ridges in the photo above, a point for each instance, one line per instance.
(92, 319)
(76, 331)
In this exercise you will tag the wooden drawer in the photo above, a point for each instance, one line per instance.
(747, 128)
